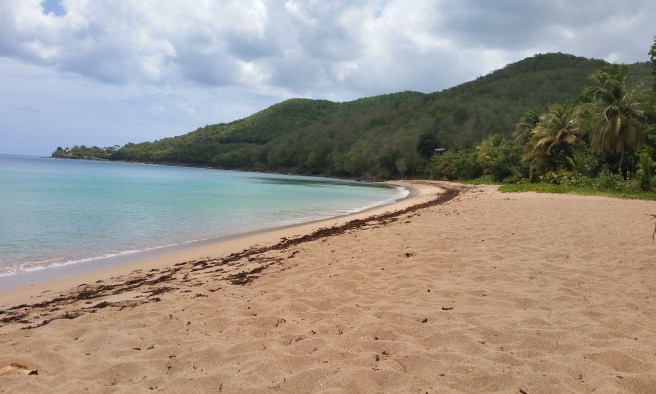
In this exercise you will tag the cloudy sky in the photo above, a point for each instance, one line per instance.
(106, 72)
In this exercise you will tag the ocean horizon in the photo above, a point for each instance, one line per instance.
(58, 213)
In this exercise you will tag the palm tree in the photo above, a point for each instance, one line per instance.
(616, 114)
(652, 57)
(524, 127)
(555, 131)
(559, 125)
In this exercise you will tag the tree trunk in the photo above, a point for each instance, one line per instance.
(622, 171)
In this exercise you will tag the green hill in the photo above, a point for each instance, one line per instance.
(373, 137)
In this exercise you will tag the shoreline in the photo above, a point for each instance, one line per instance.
(470, 291)
(87, 266)
(27, 286)
(38, 254)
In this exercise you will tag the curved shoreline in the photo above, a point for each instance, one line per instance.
(90, 264)
(25, 287)
(487, 292)
(77, 216)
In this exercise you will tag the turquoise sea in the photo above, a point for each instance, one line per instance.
(57, 213)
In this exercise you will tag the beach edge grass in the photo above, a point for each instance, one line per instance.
(567, 189)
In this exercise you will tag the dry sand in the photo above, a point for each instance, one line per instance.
(483, 292)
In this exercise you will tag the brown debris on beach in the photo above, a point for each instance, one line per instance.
(466, 290)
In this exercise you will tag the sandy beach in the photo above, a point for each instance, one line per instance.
(457, 289)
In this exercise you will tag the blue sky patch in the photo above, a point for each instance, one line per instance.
(54, 6)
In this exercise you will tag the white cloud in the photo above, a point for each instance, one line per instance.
(156, 68)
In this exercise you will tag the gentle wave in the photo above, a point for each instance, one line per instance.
(403, 193)
(59, 213)
(34, 266)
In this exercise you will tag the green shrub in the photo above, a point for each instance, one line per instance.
(559, 177)
(609, 181)
(645, 171)
(455, 166)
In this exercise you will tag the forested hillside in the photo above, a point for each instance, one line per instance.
(374, 137)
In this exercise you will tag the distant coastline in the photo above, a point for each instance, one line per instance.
(391, 136)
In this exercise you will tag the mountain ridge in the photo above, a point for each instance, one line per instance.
(371, 137)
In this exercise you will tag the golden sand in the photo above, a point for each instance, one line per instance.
(483, 292)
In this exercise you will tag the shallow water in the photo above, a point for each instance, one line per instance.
(61, 212)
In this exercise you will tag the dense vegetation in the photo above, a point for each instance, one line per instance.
(379, 137)
(602, 139)
(553, 119)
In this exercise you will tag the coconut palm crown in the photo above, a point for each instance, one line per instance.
(615, 116)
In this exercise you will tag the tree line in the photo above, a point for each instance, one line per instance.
(603, 138)
(395, 135)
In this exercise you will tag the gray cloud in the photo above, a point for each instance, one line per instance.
(302, 46)
(249, 49)
(224, 60)
(25, 108)
(605, 29)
